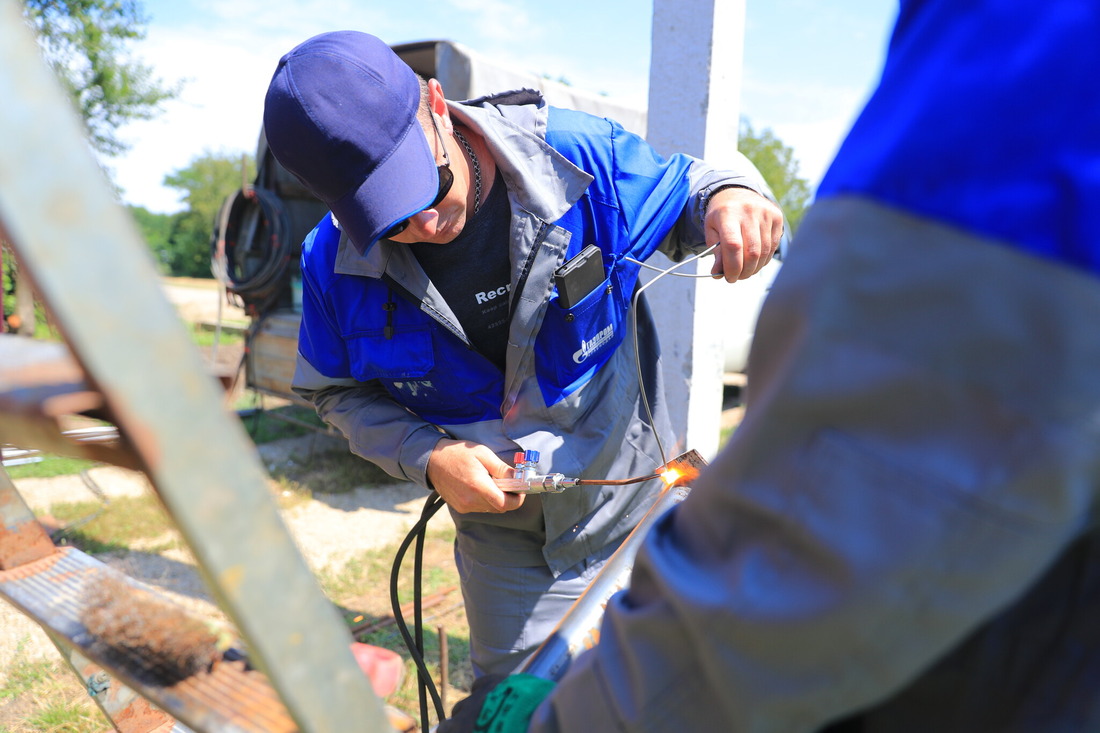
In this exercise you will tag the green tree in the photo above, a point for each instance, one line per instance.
(156, 229)
(85, 42)
(777, 164)
(7, 282)
(188, 248)
(206, 183)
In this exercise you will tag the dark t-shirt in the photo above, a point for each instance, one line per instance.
(473, 274)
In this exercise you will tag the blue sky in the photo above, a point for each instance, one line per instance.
(808, 65)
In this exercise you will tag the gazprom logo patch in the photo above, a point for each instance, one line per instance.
(590, 347)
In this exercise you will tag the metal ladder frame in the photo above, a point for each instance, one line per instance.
(132, 353)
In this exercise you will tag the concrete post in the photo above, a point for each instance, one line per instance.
(694, 108)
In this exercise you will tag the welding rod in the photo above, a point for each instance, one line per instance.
(616, 482)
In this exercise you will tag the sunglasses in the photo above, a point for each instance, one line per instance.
(446, 178)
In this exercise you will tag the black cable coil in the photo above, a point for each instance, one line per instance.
(250, 251)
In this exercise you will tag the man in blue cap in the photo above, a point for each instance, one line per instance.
(434, 335)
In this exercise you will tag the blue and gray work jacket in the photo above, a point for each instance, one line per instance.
(384, 359)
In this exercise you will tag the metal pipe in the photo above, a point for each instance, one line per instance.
(579, 629)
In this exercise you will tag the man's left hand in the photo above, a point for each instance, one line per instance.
(749, 228)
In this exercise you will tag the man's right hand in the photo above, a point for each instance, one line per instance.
(462, 472)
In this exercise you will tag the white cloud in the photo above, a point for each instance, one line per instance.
(503, 20)
(814, 143)
(218, 109)
(225, 59)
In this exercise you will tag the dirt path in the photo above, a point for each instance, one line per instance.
(201, 300)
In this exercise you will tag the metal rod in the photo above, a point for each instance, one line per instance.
(444, 666)
(616, 482)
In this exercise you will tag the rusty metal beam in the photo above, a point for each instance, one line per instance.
(230, 697)
(22, 538)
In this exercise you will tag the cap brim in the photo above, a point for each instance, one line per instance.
(402, 185)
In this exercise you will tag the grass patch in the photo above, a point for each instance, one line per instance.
(266, 425)
(371, 571)
(330, 472)
(67, 716)
(24, 674)
(203, 335)
(50, 466)
(44, 695)
(122, 523)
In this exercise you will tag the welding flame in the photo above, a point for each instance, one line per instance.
(670, 476)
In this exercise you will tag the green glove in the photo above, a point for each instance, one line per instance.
(509, 706)
(498, 704)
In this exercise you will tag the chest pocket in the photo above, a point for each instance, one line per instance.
(574, 343)
(404, 365)
(464, 388)
(406, 355)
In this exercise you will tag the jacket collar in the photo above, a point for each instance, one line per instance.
(513, 125)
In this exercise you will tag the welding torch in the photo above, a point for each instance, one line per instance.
(527, 480)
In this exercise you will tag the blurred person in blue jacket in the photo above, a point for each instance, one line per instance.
(903, 533)
(434, 335)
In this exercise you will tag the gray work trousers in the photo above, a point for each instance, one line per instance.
(511, 610)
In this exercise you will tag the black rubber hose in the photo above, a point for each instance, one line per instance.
(431, 506)
(422, 680)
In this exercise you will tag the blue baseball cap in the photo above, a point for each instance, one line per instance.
(340, 114)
